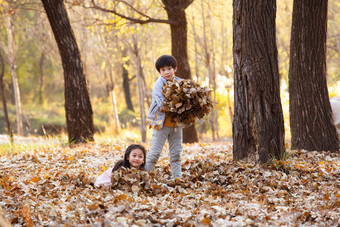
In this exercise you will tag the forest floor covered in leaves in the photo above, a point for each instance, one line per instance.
(54, 186)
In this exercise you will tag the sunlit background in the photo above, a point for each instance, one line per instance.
(104, 41)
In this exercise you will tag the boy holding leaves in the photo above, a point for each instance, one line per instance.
(164, 127)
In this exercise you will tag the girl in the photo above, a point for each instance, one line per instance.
(134, 157)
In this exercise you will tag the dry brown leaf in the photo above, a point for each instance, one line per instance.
(206, 221)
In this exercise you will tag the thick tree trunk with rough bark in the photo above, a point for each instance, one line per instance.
(179, 46)
(311, 122)
(179, 40)
(258, 129)
(79, 115)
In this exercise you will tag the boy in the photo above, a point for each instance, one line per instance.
(166, 65)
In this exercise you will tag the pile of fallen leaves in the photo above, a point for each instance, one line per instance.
(186, 101)
(54, 186)
(133, 180)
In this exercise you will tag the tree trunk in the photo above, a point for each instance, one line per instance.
(148, 102)
(208, 65)
(178, 26)
(225, 72)
(334, 26)
(41, 87)
(12, 62)
(176, 12)
(115, 112)
(196, 54)
(2, 87)
(195, 45)
(213, 78)
(258, 129)
(141, 93)
(230, 110)
(111, 92)
(79, 115)
(311, 122)
(126, 87)
(179, 38)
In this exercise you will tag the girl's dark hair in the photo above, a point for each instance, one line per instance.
(165, 60)
(125, 162)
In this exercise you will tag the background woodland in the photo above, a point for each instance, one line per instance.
(240, 49)
(113, 50)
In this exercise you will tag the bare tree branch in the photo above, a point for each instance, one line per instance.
(134, 9)
(29, 6)
(2, 63)
(181, 4)
(134, 20)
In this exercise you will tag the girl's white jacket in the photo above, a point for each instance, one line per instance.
(104, 178)
(335, 103)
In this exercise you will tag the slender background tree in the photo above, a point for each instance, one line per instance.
(12, 57)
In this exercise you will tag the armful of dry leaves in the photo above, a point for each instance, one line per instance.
(186, 101)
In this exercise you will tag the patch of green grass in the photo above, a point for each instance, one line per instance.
(31, 144)
(11, 149)
(282, 165)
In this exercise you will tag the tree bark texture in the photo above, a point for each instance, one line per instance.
(179, 33)
(4, 104)
(258, 128)
(311, 122)
(179, 48)
(79, 115)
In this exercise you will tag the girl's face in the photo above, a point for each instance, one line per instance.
(167, 72)
(136, 158)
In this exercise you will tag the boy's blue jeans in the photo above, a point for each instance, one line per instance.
(175, 137)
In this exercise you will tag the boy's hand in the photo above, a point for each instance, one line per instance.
(157, 125)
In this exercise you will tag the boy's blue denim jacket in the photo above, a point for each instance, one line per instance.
(155, 116)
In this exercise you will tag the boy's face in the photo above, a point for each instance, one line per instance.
(167, 72)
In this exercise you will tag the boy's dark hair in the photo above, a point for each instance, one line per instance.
(165, 60)
(125, 162)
